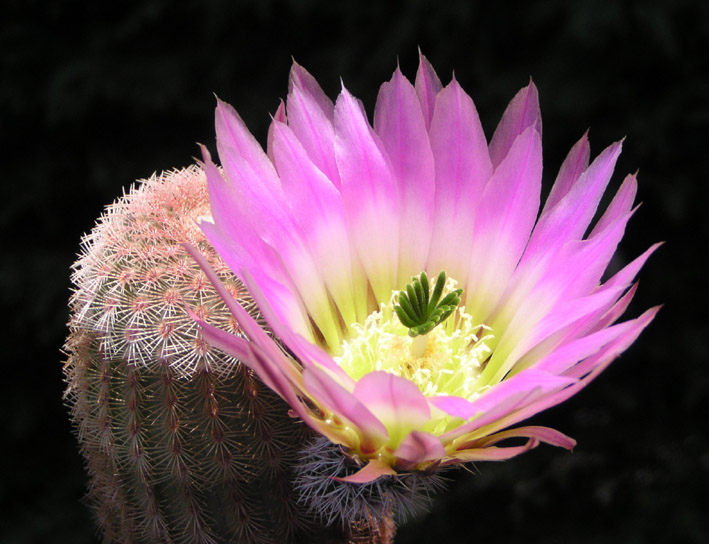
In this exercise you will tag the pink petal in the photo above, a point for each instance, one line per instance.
(270, 373)
(419, 447)
(315, 131)
(485, 451)
(565, 357)
(521, 113)
(243, 350)
(568, 315)
(505, 217)
(593, 365)
(427, 87)
(572, 272)
(395, 401)
(317, 207)
(262, 354)
(324, 390)
(454, 406)
(589, 368)
(568, 219)
(234, 138)
(608, 313)
(278, 117)
(620, 205)
(509, 396)
(370, 195)
(247, 323)
(462, 169)
(614, 313)
(371, 471)
(543, 434)
(260, 197)
(301, 79)
(491, 453)
(572, 167)
(590, 258)
(235, 239)
(309, 355)
(400, 124)
(629, 272)
(578, 272)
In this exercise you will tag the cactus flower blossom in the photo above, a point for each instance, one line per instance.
(423, 305)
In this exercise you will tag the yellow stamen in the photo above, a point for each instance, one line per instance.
(446, 361)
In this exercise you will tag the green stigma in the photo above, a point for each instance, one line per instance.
(420, 310)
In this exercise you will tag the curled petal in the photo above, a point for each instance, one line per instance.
(543, 434)
(492, 453)
(373, 470)
(344, 404)
(418, 447)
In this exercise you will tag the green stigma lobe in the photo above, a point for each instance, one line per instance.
(420, 310)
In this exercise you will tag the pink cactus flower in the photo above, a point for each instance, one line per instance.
(336, 229)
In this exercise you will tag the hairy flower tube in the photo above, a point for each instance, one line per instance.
(423, 303)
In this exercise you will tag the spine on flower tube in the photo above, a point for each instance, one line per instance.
(182, 443)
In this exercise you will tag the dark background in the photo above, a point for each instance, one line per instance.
(96, 94)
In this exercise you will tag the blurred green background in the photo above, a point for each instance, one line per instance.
(96, 94)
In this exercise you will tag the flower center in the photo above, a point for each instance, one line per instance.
(446, 360)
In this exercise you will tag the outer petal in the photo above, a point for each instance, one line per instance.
(549, 331)
(579, 269)
(247, 323)
(454, 406)
(484, 449)
(400, 124)
(235, 238)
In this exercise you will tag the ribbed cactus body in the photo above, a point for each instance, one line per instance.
(182, 443)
